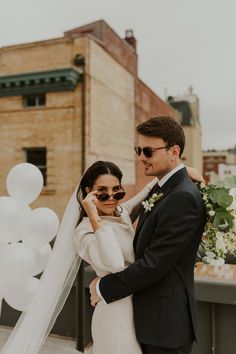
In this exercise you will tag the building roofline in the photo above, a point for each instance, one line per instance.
(101, 21)
(31, 44)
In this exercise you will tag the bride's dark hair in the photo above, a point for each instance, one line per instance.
(90, 176)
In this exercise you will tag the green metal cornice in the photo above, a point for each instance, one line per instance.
(40, 82)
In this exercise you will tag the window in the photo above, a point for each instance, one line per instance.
(210, 166)
(34, 100)
(38, 157)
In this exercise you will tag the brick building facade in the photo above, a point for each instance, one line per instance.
(67, 102)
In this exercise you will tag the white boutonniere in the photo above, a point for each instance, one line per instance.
(149, 203)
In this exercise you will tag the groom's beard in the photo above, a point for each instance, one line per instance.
(149, 170)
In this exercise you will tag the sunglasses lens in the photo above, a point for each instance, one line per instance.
(147, 152)
(118, 195)
(102, 197)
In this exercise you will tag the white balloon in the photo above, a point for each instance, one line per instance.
(42, 258)
(24, 182)
(26, 214)
(41, 228)
(17, 262)
(20, 296)
(10, 218)
(6, 284)
(3, 284)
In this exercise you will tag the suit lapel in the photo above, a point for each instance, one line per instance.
(141, 219)
(165, 189)
(143, 214)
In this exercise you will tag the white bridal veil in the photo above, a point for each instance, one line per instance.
(34, 325)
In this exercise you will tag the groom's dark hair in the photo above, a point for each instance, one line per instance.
(166, 128)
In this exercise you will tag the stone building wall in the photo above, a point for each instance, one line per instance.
(56, 126)
(193, 148)
(112, 113)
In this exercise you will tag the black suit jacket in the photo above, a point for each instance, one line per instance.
(162, 277)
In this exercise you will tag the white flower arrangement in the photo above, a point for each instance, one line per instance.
(219, 237)
(149, 203)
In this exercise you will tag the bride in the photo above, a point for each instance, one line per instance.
(103, 238)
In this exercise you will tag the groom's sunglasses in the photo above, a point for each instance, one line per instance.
(103, 197)
(147, 151)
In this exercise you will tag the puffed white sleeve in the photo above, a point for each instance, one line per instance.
(134, 202)
(100, 249)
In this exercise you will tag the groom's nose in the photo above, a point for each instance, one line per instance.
(142, 158)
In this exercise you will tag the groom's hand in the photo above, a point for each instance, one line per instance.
(94, 298)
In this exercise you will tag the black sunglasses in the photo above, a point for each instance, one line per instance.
(147, 151)
(105, 196)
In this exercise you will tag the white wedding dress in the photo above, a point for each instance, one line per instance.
(109, 250)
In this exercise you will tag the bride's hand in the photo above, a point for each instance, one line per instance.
(90, 206)
(90, 203)
(195, 175)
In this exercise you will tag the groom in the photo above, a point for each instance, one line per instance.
(166, 243)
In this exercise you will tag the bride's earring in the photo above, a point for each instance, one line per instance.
(87, 190)
(119, 209)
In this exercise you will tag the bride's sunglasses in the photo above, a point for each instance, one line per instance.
(147, 151)
(103, 197)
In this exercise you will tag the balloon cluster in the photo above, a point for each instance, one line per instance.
(24, 236)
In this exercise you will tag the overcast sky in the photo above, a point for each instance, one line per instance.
(180, 43)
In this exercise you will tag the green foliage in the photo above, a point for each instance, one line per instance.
(223, 219)
(219, 237)
(220, 196)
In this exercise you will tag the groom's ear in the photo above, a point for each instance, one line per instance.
(176, 150)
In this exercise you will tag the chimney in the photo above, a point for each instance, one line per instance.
(129, 37)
